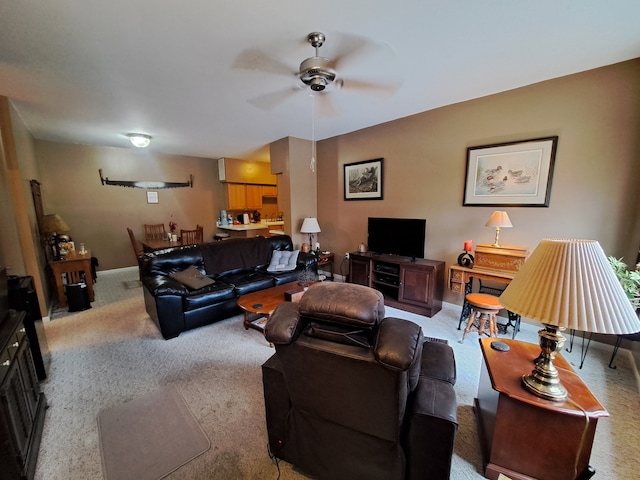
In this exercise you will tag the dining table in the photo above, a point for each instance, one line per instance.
(153, 244)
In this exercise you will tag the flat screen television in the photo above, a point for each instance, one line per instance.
(397, 236)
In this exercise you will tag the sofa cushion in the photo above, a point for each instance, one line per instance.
(283, 261)
(248, 281)
(236, 253)
(211, 295)
(192, 278)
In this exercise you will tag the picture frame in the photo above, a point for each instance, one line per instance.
(152, 197)
(364, 180)
(510, 174)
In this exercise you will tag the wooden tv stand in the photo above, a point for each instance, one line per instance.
(413, 285)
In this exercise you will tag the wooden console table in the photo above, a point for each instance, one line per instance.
(526, 437)
(414, 285)
(77, 268)
(495, 264)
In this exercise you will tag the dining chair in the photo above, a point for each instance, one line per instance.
(190, 237)
(154, 232)
(138, 249)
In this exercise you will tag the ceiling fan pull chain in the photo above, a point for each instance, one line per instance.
(313, 133)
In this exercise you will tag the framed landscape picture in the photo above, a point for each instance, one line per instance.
(510, 174)
(363, 180)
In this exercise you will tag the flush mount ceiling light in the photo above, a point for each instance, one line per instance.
(139, 140)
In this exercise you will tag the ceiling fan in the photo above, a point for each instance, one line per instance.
(317, 73)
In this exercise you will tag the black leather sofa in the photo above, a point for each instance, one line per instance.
(352, 395)
(238, 266)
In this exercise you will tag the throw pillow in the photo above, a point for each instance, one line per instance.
(283, 261)
(192, 278)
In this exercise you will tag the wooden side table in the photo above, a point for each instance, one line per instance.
(326, 260)
(74, 267)
(524, 436)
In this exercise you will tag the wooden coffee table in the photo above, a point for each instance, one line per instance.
(262, 304)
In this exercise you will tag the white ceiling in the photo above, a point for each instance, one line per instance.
(90, 71)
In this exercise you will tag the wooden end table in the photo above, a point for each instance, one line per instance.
(262, 304)
(326, 260)
(524, 436)
(77, 268)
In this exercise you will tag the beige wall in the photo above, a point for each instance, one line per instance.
(596, 115)
(99, 215)
(594, 194)
(297, 184)
(20, 248)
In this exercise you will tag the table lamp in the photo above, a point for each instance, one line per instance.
(498, 220)
(50, 226)
(564, 284)
(310, 226)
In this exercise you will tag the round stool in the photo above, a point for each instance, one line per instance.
(220, 236)
(486, 307)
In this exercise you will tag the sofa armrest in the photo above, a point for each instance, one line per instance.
(307, 261)
(163, 285)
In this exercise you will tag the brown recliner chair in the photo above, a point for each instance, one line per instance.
(352, 395)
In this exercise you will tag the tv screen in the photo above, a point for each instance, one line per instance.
(397, 236)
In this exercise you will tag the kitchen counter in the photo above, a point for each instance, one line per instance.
(251, 229)
(242, 228)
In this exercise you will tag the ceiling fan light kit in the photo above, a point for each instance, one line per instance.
(139, 140)
(316, 72)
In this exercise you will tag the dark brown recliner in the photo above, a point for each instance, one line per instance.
(352, 395)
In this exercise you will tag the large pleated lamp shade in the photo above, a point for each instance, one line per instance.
(53, 223)
(567, 284)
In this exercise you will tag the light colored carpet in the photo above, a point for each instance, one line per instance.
(113, 353)
(149, 437)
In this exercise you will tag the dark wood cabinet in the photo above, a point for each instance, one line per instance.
(413, 285)
(22, 404)
(359, 269)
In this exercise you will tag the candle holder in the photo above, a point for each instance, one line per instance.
(465, 259)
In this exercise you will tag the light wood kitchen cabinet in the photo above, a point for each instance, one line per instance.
(243, 197)
(254, 197)
(269, 191)
(236, 196)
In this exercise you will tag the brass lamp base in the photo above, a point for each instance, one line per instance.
(544, 380)
(496, 242)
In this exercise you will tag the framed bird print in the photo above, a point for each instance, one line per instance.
(510, 174)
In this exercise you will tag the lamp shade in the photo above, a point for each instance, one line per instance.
(499, 219)
(53, 223)
(139, 140)
(570, 284)
(310, 225)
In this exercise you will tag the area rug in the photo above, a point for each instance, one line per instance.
(149, 437)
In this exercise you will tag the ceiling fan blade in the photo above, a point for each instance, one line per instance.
(269, 101)
(383, 89)
(254, 59)
(354, 48)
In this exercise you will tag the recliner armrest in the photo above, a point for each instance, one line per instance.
(283, 325)
(398, 343)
